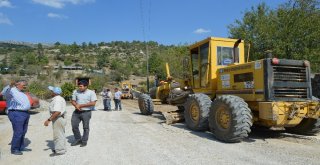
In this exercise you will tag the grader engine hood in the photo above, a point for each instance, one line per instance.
(287, 80)
(268, 79)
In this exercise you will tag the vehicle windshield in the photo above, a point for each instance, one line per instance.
(225, 55)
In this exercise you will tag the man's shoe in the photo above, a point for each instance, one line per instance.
(26, 149)
(53, 151)
(56, 154)
(83, 144)
(76, 143)
(16, 153)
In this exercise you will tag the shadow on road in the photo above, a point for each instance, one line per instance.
(257, 133)
(26, 142)
(157, 115)
(50, 145)
(70, 139)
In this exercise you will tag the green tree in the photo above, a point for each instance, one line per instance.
(290, 31)
(57, 44)
(84, 45)
(40, 50)
(31, 59)
(74, 48)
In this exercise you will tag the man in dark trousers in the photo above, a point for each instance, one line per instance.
(83, 101)
(18, 107)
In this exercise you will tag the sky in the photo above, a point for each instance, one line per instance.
(164, 21)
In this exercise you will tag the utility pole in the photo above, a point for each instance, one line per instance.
(147, 54)
(147, 58)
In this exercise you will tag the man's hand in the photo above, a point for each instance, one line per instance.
(46, 123)
(78, 107)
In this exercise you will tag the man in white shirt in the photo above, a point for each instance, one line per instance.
(117, 99)
(57, 110)
(84, 101)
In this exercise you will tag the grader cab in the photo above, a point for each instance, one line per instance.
(229, 95)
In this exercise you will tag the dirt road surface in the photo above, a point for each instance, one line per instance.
(126, 137)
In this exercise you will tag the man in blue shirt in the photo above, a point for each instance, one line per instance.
(117, 99)
(18, 106)
(83, 101)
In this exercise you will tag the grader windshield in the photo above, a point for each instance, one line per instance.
(227, 55)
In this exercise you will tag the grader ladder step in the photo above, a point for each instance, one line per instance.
(156, 101)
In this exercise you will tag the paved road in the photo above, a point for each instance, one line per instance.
(126, 137)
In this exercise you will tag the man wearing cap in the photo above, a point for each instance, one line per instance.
(18, 107)
(57, 109)
(83, 101)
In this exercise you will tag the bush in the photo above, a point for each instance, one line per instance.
(39, 90)
(98, 82)
(67, 90)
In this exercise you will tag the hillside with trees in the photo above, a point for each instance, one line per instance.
(106, 63)
(289, 31)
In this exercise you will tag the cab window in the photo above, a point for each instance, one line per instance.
(204, 52)
(226, 55)
(195, 67)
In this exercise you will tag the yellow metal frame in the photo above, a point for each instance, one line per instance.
(220, 80)
(214, 42)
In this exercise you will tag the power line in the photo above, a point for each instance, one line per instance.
(145, 34)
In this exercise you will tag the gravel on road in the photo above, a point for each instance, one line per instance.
(127, 137)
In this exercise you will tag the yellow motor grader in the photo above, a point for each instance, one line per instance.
(229, 95)
(126, 88)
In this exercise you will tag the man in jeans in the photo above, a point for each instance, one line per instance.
(117, 99)
(18, 107)
(83, 101)
(106, 95)
(108, 101)
(57, 110)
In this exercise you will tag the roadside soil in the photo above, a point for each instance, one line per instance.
(127, 137)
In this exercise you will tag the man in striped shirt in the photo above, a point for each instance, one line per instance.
(18, 106)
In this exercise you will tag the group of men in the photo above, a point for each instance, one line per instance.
(107, 97)
(18, 105)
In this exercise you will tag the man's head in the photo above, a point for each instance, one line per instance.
(116, 89)
(83, 85)
(21, 84)
(55, 90)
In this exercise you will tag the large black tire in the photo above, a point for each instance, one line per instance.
(308, 126)
(145, 104)
(230, 118)
(196, 112)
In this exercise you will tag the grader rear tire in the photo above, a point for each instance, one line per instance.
(196, 112)
(308, 126)
(230, 118)
(145, 104)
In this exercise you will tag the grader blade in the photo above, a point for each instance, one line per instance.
(173, 117)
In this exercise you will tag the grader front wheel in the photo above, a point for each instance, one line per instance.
(196, 112)
(230, 118)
